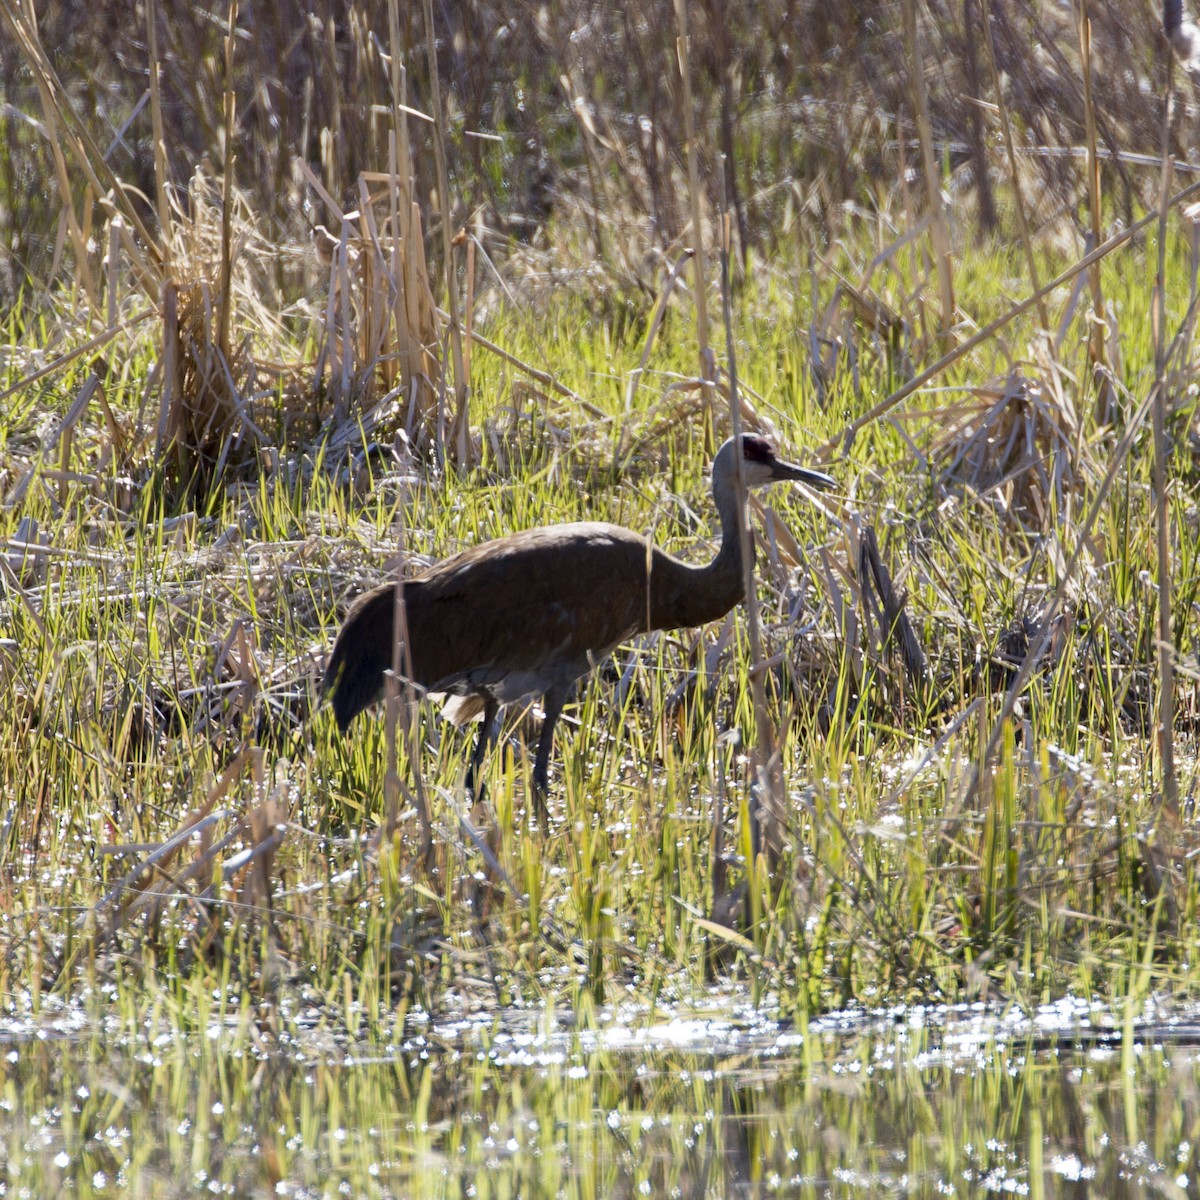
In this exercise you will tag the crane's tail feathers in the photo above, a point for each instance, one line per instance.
(361, 655)
(458, 710)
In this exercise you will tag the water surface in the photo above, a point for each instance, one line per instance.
(922, 1101)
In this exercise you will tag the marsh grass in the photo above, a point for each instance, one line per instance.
(198, 870)
(154, 649)
(149, 649)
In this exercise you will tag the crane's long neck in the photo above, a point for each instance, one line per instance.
(684, 595)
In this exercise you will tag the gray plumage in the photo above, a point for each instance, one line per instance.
(528, 614)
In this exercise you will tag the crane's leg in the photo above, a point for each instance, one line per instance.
(487, 734)
(553, 703)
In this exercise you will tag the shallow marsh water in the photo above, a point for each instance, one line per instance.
(1068, 1101)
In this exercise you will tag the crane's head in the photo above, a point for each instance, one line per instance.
(760, 465)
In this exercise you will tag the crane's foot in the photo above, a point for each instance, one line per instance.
(475, 794)
(541, 813)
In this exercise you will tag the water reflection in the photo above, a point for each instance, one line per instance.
(903, 1103)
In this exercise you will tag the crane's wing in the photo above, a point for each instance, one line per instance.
(536, 606)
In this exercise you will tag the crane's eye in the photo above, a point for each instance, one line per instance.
(756, 449)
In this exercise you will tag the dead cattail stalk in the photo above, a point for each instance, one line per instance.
(1106, 398)
(707, 364)
(225, 266)
(405, 287)
(1013, 174)
(767, 816)
(1166, 638)
(341, 291)
(939, 229)
(400, 109)
(399, 687)
(160, 140)
(460, 430)
(168, 409)
(470, 310)
(988, 220)
(375, 283)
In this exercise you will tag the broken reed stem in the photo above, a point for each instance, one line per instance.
(1166, 641)
(460, 432)
(707, 364)
(933, 184)
(845, 439)
(542, 377)
(1013, 173)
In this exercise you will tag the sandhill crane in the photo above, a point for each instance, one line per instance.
(528, 614)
